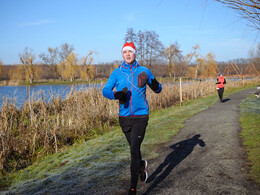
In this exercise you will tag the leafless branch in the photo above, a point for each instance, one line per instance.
(248, 9)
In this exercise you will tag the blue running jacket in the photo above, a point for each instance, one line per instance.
(135, 78)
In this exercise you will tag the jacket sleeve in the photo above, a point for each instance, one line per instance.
(110, 85)
(149, 80)
(224, 81)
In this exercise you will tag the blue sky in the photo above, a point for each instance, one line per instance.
(101, 25)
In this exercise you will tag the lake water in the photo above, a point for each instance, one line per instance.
(21, 94)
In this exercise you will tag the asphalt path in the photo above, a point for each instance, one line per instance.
(206, 157)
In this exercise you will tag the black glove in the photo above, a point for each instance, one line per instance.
(154, 85)
(121, 95)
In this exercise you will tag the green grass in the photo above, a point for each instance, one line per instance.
(110, 152)
(250, 133)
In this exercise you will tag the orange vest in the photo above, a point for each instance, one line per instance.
(221, 81)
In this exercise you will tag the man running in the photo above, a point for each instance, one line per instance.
(130, 80)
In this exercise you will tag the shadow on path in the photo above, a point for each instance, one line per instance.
(180, 151)
(225, 100)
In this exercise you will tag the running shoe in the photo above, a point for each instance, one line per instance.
(143, 171)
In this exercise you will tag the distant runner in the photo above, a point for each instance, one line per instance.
(220, 86)
(130, 81)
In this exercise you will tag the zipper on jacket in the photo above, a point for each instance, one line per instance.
(132, 91)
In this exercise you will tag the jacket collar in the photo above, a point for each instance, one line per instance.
(129, 66)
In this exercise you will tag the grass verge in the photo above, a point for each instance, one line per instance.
(250, 125)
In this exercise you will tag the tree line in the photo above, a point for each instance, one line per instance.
(62, 63)
(151, 51)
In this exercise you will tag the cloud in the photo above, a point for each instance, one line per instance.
(37, 23)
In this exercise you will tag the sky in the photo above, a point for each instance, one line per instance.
(101, 25)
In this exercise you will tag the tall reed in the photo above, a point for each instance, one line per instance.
(43, 127)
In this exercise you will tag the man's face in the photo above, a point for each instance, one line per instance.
(128, 56)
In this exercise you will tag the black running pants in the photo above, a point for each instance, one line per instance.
(134, 130)
(220, 93)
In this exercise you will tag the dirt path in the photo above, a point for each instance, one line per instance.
(205, 157)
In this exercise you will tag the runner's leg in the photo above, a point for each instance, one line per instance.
(137, 136)
(134, 130)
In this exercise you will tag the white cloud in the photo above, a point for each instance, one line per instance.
(37, 23)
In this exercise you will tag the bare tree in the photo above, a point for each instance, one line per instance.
(140, 45)
(248, 9)
(57, 56)
(148, 45)
(69, 67)
(255, 57)
(153, 47)
(52, 59)
(87, 71)
(174, 57)
(210, 66)
(195, 54)
(130, 35)
(156, 49)
(65, 51)
(255, 53)
(27, 60)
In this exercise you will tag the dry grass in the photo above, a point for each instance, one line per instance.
(43, 127)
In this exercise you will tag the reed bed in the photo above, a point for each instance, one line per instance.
(43, 127)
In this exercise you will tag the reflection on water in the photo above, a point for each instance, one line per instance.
(21, 94)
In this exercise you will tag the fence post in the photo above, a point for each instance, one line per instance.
(180, 93)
